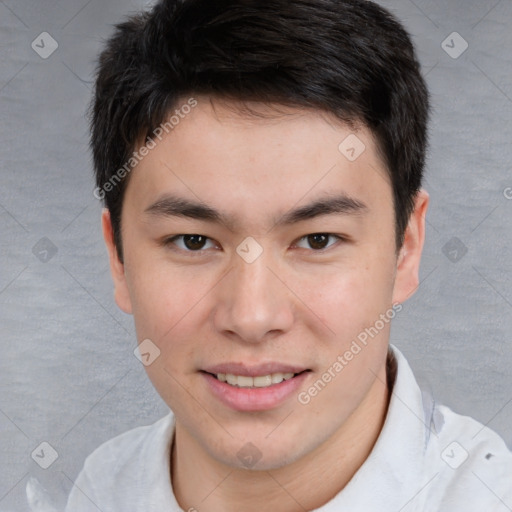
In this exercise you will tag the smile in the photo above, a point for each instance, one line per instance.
(261, 381)
(258, 392)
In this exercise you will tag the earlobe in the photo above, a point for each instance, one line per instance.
(117, 270)
(409, 258)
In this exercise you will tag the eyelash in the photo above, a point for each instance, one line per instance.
(171, 242)
(338, 238)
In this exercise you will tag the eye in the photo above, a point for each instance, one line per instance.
(317, 241)
(191, 243)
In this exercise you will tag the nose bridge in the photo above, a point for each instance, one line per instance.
(252, 278)
(252, 286)
(253, 301)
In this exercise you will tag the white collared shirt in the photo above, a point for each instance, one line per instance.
(426, 459)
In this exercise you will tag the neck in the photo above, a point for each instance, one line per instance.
(306, 484)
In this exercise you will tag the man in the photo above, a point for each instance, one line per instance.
(261, 167)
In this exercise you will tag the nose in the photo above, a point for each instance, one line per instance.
(252, 303)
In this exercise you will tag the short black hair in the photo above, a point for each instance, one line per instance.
(350, 58)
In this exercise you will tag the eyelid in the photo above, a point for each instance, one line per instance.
(339, 238)
(169, 242)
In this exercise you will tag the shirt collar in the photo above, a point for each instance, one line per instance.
(391, 477)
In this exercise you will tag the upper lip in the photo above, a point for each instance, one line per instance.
(254, 370)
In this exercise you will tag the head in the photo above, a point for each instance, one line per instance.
(287, 141)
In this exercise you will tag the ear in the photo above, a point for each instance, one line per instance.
(408, 262)
(121, 292)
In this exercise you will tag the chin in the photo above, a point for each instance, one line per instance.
(261, 454)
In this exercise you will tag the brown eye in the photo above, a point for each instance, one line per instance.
(191, 243)
(318, 240)
(194, 242)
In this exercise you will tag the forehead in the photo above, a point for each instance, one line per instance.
(260, 158)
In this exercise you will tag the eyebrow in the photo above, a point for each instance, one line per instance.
(341, 205)
(173, 206)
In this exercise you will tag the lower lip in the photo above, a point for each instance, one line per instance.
(254, 399)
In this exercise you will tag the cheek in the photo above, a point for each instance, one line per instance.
(349, 297)
(165, 309)
(162, 301)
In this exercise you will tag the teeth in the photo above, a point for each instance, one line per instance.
(262, 381)
(276, 378)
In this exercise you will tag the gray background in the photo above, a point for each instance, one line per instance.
(67, 369)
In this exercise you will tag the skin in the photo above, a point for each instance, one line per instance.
(293, 304)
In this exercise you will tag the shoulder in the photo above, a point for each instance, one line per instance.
(124, 448)
(471, 463)
(459, 463)
(123, 468)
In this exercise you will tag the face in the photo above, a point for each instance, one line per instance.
(256, 250)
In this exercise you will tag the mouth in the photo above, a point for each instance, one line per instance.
(258, 381)
(254, 389)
